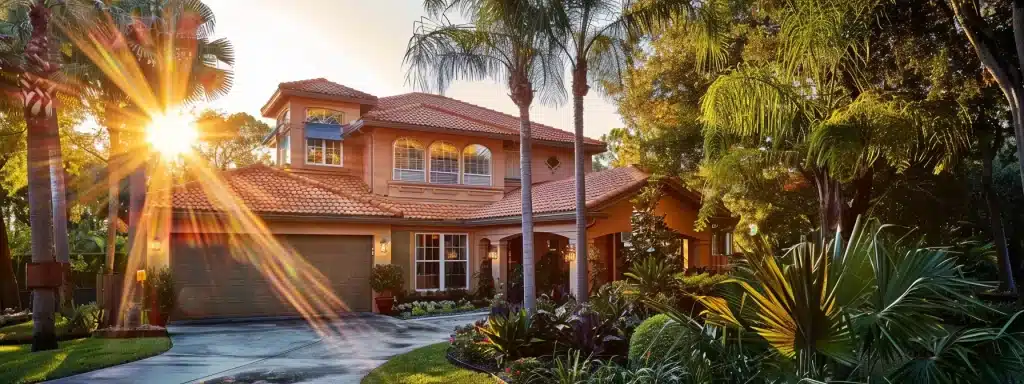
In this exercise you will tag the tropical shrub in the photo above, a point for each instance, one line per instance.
(699, 284)
(485, 280)
(386, 278)
(651, 276)
(876, 307)
(508, 337)
(658, 337)
(84, 319)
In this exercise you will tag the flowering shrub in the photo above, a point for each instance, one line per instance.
(520, 371)
(422, 308)
(467, 345)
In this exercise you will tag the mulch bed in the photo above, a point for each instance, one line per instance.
(131, 333)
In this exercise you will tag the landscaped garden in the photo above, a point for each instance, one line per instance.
(879, 305)
(19, 365)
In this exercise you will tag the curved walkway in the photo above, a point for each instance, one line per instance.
(278, 351)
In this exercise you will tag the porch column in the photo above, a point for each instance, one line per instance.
(499, 268)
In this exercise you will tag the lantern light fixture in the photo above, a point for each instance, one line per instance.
(492, 253)
(384, 243)
(570, 253)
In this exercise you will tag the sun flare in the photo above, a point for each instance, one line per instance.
(172, 134)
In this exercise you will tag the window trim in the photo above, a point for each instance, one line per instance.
(441, 277)
(490, 166)
(337, 112)
(341, 153)
(394, 160)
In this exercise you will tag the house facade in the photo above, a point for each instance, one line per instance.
(422, 181)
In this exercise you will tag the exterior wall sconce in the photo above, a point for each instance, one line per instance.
(140, 275)
(627, 239)
(492, 253)
(384, 243)
(156, 246)
(570, 253)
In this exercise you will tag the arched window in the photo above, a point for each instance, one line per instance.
(476, 165)
(444, 163)
(324, 116)
(409, 164)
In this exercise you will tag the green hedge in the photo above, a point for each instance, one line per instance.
(656, 338)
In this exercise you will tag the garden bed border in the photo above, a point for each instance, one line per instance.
(470, 366)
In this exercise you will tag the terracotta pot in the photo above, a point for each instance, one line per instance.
(384, 304)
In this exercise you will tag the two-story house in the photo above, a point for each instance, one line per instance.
(426, 182)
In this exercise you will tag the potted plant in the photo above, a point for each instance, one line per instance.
(162, 298)
(386, 279)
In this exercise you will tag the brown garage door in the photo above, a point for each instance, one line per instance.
(211, 283)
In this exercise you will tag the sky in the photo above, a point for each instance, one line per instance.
(357, 43)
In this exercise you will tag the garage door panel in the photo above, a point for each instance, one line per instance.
(212, 283)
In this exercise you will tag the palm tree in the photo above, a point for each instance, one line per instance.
(590, 34)
(505, 40)
(139, 29)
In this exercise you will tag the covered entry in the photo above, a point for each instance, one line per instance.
(212, 282)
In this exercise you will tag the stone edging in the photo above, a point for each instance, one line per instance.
(462, 364)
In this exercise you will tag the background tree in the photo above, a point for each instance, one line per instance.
(507, 41)
(231, 141)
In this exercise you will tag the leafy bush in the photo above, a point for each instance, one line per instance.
(161, 284)
(658, 337)
(386, 278)
(509, 337)
(651, 276)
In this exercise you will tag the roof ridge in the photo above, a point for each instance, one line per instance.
(532, 121)
(470, 118)
(360, 198)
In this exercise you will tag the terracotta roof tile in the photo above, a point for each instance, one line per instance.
(444, 112)
(270, 190)
(326, 87)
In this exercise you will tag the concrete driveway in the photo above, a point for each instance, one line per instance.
(283, 351)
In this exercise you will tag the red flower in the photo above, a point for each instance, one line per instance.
(508, 370)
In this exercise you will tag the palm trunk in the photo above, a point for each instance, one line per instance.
(113, 208)
(526, 170)
(830, 205)
(580, 88)
(1006, 280)
(9, 297)
(37, 98)
(58, 198)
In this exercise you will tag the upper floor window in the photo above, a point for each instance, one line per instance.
(324, 116)
(284, 151)
(284, 118)
(476, 165)
(444, 163)
(409, 160)
(512, 169)
(323, 151)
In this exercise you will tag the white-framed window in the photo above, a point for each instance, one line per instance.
(323, 152)
(284, 150)
(476, 165)
(444, 163)
(442, 261)
(409, 160)
(324, 116)
(284, 118)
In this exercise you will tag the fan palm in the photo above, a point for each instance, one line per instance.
(878, 306)
(590, 34)
(505, 40)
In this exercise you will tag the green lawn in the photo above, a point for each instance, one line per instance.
(426, 365)
(24, 330)
(19, 365)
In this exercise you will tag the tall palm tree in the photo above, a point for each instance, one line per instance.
(140, 30)
(590, 34)
(505, 40)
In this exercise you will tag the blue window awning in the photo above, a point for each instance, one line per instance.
(323, 131)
